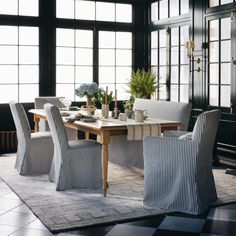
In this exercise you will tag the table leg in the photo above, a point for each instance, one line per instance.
(104, 139)
(86, 135)
(36, 123)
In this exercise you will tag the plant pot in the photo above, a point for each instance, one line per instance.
(129, 113)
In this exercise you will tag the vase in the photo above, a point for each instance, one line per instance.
(129, 113)
(105, 110)
(90, 102)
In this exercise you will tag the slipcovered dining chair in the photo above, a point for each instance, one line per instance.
(178, 171)
(76, 164)
(35, 150)
(43, 125)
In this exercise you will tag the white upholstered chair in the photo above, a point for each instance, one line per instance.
(76, 164)
(35, 150)
(178, 171)
(43, 125)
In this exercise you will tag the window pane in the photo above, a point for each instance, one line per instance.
(162, 35)
(174, 74)
(214, 95)
(8, 93)
(28, 55)
(222, 2)
(8, 7)
(8, 35)
(213, 3)
(183, 55)
(28, 74)
(154, 38)
(184, 6)
(214, 51)
(123, 58)
(123, 40)
(28, 7)
(225, 96)
(121, 92)
(174, 55)
(65, 74)
(28, 36)
(106, 75)
(106, 39)
(183, 93)
(154, 11)
(214, 74)
(8, 54)
(162, 74)
(214, 30)
(154, 57)
(123, 74)
(66, 90)
(184, 74)
(225, 28)
(65, 37)
(85, 10)
(65, 9)
(84, 74)
(8, 74)
(162, 56)
(174, 93)
(225, 73)
(184, 34)
(65, 56)
(164, 9)
(124, 13)
(27, 92)
(108, 8)
(84, 38)
(175, 36)
(163, 92)
(84, 56)
(107, 57)
(174, 8)
(225, 51)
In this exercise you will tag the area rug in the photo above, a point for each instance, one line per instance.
(73, 209)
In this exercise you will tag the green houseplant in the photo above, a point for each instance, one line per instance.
(128, 106)
(142, 83)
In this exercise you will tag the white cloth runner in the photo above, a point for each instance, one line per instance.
(138, 132)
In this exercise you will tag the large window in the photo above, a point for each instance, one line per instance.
(219, 66)
(214, 3)
(19, 63)
(93, 10)
(170, 62)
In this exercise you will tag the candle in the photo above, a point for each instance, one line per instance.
(115, 99)
(106, 95)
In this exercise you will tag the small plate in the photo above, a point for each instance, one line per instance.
(89, 119)
(73, 108)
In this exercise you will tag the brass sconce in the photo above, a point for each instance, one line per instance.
(190, 47)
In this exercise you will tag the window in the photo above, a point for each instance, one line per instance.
(19, 63)
(94, 10)
(74, 60)
(219, 66)
(115, 61)
(214, 3)
(19, 7)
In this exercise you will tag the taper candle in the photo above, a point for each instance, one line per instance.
(106, 95)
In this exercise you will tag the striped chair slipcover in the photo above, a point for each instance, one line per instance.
(178, 172)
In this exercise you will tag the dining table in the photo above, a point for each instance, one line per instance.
(104, 128)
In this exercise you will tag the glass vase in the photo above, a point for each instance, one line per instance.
(90, 102)
(105, 110)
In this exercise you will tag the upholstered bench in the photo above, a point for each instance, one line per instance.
(130, 153)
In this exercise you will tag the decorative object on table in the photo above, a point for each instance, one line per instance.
(142, 83)
(89, 90)
(115, 112)
(140, 115)
(67, 103)
(104, 98)
(128, 105)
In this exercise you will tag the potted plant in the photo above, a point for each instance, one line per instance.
(128, 106)
(142, 84)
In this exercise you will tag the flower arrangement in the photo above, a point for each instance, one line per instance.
(101, 94)
(87, 89)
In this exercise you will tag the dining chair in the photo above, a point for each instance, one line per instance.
(76, 164)
(35, 150)
(178, 171)
(56, 101)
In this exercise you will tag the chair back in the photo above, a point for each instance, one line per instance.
(21, 121)
(205, 130)
(57, 128)
(40, 101)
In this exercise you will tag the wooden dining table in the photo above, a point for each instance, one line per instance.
(104, 128)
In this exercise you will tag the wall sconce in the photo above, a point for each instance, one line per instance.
(190, 47)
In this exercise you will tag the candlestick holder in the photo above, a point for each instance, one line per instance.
(115, 113)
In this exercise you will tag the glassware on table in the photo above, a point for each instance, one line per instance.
(67, 103)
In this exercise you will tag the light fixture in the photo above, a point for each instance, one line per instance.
(190, 47)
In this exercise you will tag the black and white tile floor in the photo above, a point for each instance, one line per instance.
(16, 219)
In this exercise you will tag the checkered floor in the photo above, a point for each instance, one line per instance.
(218, 221)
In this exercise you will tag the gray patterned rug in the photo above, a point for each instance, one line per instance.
(67, 210)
